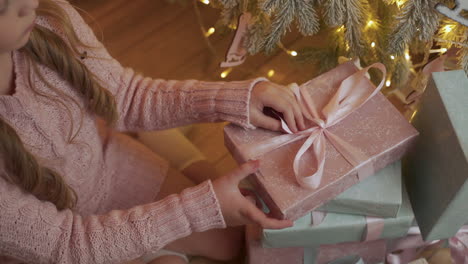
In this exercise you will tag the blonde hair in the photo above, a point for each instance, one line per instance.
(47, 48)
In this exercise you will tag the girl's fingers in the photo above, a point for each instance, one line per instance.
(255, 215)
(266, 122)
(284, 106)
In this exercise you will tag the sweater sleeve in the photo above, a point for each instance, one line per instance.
(153, 104)
(33, 231)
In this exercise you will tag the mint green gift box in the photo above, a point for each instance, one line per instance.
(436, 171)
(336, 228)
(379, 195)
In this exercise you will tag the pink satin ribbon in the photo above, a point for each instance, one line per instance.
(353, 92)
(374, 225)
(237, 53)
(408, 248)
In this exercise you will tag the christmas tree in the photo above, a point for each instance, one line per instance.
(402, 34)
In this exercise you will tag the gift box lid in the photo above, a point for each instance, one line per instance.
(337, 228)
(436, 170)
(383, 201)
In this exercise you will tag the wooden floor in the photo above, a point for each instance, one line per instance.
(164, 40)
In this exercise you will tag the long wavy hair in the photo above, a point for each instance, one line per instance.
(47, 48)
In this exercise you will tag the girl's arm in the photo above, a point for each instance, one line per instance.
(34, 231)
(152, 104)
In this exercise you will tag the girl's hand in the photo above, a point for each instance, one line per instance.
(237, 209)
(281, 99)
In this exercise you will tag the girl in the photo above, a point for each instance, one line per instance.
(74, 191)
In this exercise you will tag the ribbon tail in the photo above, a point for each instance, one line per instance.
(312, 181)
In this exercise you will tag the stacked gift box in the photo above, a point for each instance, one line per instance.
(354, 206)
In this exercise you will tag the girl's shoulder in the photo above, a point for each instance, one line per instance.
(78, 24)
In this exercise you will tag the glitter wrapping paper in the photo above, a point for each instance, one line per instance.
(436, 171)
(371, 252)
(376, 128)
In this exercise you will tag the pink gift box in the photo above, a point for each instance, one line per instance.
(376, 128)
(370, 252)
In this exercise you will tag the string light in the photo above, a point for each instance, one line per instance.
(442, 50)
(388, 83)
(292, 53)
(340, 29)
(448, 28)
(399, 3)
(271, 73)
(210, 31)
(372, 44)
(392, 57)
(407, 56)
(225, 73)
(206, 2)
(370, 23)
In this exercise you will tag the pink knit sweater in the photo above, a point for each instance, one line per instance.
(116, 178)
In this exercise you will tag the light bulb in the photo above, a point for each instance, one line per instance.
(443, 50)
(392, 57)
(388, 83)
(372, 44)
(340, 29)
(225, 73)
(206, 2)
(210, 31)
(407, 56)
(293, 53)
(370, 23)
(271, 73)
(448, 28)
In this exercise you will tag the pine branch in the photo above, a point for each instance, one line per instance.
(335, 11)
(463, 59)
(429, 20)
(268, 6)
(307, 18)
(229, 3)
(356, 11)
(416, 15)
(257, 34)
(401, 72)
(280, 24)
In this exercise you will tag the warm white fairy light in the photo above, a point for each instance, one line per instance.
(292, 53)
(225, 73)
(340, 29)
(407, 56)
(442, 50)
(388, 83)
(399, 3)
(372, 44)
(271, 73)
(210, 31)
(392, 57)
(448, 28)
(206, 2)
(370, 23)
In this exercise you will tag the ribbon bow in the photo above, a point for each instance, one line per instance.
(353, 92)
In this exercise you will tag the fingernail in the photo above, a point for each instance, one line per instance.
(256, 164)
